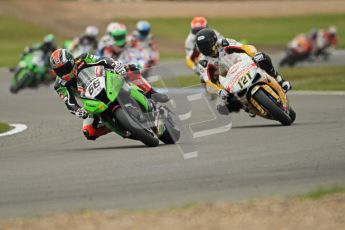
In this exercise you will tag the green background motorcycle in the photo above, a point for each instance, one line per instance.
(30, 71)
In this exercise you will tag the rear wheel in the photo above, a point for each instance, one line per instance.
(271, 107)
(137, 131)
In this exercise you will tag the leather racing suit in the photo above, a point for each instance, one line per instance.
(66, 87)
(192, 53)
(229, 53)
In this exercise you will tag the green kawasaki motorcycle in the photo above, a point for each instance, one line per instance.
(29, 72)
(124, 109)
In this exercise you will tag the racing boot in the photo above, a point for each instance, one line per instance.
(286, 86)
(92, 129)
(92, 133)
(135, 76)
(156, 96)
(265, 63)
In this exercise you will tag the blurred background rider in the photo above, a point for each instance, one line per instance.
(191, 50)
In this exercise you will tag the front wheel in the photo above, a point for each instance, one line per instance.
(21, 80)
(288, 60)
(284, 61)
(134, 127)
(292, 115)
(272, 108)
(171, 133)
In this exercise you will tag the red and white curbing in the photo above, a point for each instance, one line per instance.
(17, 128)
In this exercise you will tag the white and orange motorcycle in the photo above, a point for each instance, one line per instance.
(258, 92)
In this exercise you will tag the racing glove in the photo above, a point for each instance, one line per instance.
(196, 70)
(119, 68)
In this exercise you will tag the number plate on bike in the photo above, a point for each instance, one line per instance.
(238, 76)
(94, 88)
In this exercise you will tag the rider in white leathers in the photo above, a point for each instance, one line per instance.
(192, 52)
(142, 39)
(219, 55)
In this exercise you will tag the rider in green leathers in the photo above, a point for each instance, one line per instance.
(67, 69)
(47, 47)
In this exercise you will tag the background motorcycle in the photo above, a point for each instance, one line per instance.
(293, 56)
(140, 57)
(80, 49)
(30, 71)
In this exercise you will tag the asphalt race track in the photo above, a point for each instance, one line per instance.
(50, 167)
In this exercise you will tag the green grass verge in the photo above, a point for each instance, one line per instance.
(320, 78)
(181, 81)
(171, 32)
(261, 32)
(272, 31)
(323, 191)
(306, 78)
(4, 127)
(15, 36)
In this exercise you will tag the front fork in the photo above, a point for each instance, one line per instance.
(139, 97)
(129, 99)
(152, 115)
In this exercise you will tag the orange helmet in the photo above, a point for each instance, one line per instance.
(197, 24)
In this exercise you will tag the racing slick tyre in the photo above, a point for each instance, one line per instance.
(277, 113)
(171, 134)
(134, 127)
(21, 83)
(292, 115)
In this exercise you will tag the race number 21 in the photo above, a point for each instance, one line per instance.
(244, 80)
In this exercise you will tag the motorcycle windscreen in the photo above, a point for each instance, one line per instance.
(37, 58)
(91, 81)
(238, 77)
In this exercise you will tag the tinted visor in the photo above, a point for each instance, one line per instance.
(63, 70)
(144, 33)
(207, 48)
(119, 37)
